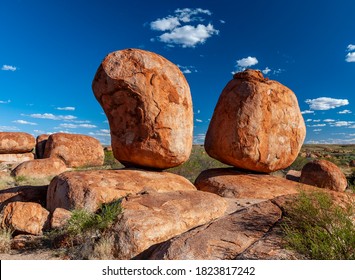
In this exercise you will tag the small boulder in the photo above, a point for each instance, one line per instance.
(16, 142)
(16, 158)
(257, 124)
(89, 189)
(148, 104)
(25, 217)
(41, 141)
(40, 168)
(324, 174)
(152, 218)
(60, 218)
(293, 175)
(75, 150)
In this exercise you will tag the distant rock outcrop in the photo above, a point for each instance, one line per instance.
(148, 104)
(257, 124)
(75, 150)
(324, 174)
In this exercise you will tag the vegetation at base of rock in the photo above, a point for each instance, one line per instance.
(319, 229)
(111, 161)
(5, 240)
(27, 181)
(299, 163)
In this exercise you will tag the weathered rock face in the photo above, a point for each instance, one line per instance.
(324, 174)
(17, 158)
(36, 194)
(231, 183)
(148, 104)
(75, 150)
(16, 142)
(293, 175)
(89, 189)
(25, 217)
(60, 218)
(222, 239)
(257, 124)
(41, 141)
(156, 217)
(40, 168)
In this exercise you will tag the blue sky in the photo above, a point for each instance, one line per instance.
(50, 51)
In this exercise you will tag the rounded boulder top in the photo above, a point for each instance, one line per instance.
(147, 101)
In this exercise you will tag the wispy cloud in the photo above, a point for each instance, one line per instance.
(187, 69)
(317, 125)
(52, 117)
(266, 71)
(66, 108)
(350, 57)
(326, 103)
(199, 138)
(329, 120)
(8, 68)
(307, 112)
(179, 32)
(342, 123)
(198, 120)
(345, 112)
(24, 122)
(71, 125)
(8, 128)
(317, 130)
(5, 101)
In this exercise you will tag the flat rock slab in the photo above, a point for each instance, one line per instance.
(223, 239)
(16, 158)
(230, 182)
(156, 217)
(89, 189)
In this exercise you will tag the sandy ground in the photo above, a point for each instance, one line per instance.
(30, 255)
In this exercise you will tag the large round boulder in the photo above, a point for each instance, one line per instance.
(16, 142)
(148, 104)
(323, 174)
(75, 150)
(257, 124)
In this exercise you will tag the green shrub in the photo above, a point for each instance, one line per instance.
(299, 163)
(317, 228)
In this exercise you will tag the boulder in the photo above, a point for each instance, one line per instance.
(324, 174)
(41, 141)
(153, 218)
(16, 142)
(75, 150)
(16, 158)
(36, 194)
(222, 239)
(257, 124)
(40, 168)
(25, 217)
(232, 183)
(148, 104)
(293, 175)
(60, 218)
(89, 189)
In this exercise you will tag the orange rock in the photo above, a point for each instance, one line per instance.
(257, 124)
(41, 141)
(40, 168)
(16, 142)
(18, 158)
(324, 174)
(60, 218)
(25, 217)
(89, 189)
(75, 150)
(148, 104)
(293, 175)
(156, 217)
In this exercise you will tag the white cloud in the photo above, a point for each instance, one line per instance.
(345, 112)
(222, 21)
(317, 130)
(329, 120)
(188, 35)
(350, 57)
(71, 125)
(351, 48)
(316, 120)
(247, 62)
(180, 33)
(318, 125)
(198, 120)
(308, 120)
(5, 101)
(52, 117)
(105, 130)
(8, 68)
(187, 69)
(24, 122)
(307, 112)
(66, 108)
(342, 123)
(266, 70)
(326, 103)
(199, 138)
(8, 128)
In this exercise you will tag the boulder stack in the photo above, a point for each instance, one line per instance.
(148, 104)
(16, 146)
(257, 124)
